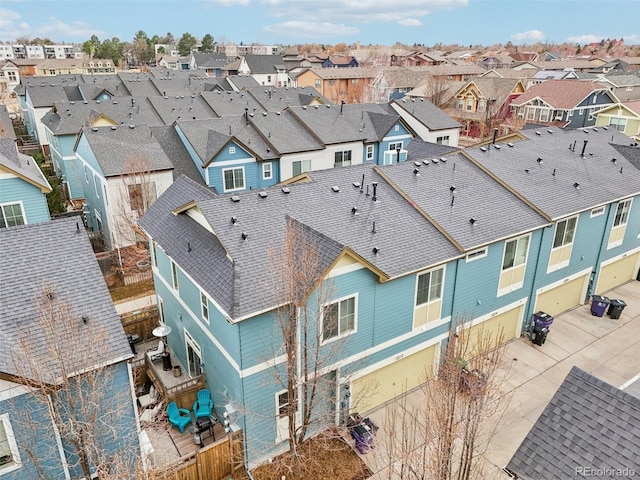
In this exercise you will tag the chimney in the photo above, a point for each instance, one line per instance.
(375, 188)
(584, 147)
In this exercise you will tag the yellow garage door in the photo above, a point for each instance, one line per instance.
(384, 384)
(617, 273)
(485, 335)
(563, 297)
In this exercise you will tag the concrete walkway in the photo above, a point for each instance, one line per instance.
(606, 348)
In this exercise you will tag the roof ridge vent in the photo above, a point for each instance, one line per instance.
(425, 162)
(335, 188)
(286, 190)
(484, 149)
(263, 194)
(235, 198)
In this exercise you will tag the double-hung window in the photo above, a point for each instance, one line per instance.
(9, 454)
(562, 244)
(204, 306)
(369, 152)
(619, 223)
(338, 318)
(267, 172)
(514, 262)
(428, 297)
(11, 215)
(174, 275)
(233, 179)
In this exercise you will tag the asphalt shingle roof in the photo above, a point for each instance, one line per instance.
(588, 424)
(560, 94)
(550, 183)
(314, 204)
(20, 164)
(326, 122)
(426, 113)
(454, 191)
(117, 149)
(59, 257)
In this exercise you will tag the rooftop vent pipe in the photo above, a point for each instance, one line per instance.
(584, 147)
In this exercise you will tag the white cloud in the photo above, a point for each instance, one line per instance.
(633, 39)
(410, 22)
(362, 11)
(298, 29)
(530, 36)
(56, 28)
(228, 3)
(11, 26)
(583, 39)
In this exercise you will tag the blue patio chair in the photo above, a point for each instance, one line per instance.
(180, 417)
(204, 405)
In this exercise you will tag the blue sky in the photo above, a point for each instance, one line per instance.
(465, 22)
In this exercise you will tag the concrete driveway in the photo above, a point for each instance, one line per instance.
(606, 348)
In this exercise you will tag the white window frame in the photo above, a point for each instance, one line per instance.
(429, 298)
(476, 255)
(618, 122)
(394, 146)
(161, 313)
(189, 342)
(8, 204)
(235, 188)
(623, 208)
(340, 334)
(303, 166)
(516, 264)
(86, 173)
(174, 276)
(282, 419)
(204, 307)
(370, 152)
(16, 462)
(154, 251)
(564, 235)
(343, 162)
(267, 171)
(96, 185)
(596, 212)
(443, 140)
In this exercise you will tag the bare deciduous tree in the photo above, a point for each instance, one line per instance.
(304, 319)
(65, 361)
(438, 435)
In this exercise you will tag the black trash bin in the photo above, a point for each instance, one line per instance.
(599, 305)
(615, 308)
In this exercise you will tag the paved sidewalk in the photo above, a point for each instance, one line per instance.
(606, 348)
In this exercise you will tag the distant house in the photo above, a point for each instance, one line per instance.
(23, 188)
(339, 61)
(59, 330)
(588, 429)
(415, 59)
(265, 69)
(481, 103)
(393, 83)
(123, 169)
(10, 72)
(624, 117)
(567, 103)
(429, 122)
(624, 85)
(350, 85)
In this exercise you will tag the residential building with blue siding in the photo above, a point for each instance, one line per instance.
(23, 187)
(86, 336)
(479, 239)
(123, 169)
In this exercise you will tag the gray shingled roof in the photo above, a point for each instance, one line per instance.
(207, 137)
(229, 103)
(426, 113)
(175, 150)
(277, 99)
(600, 181)
(241, 82)
(192, 107)
(59, 257)
(115, 147)
(263, 63)
(22, 165)
(284, 133)
(497, 212)
(588, 424)
(326, 122)
(69, 117)
(418, 149)
(314, 204)
(6, 126)
(631, 153)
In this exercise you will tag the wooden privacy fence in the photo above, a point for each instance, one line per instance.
(141, 322)
(217, 461)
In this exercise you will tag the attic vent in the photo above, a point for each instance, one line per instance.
(304, 107)
(539, 160)
(354, 210)
(416, 172)
(434, 160)
(115, 102)
(97, 101)
(443, 159)
(510, 144)
(484, 149)
(277, 113)
(497, 147)
(604, 128)
(577, 186)
(72, 103)
(472, 221)
(335, 188)
(425, 162)
(264, 114)
(538, 133)
(595, 129)
(235, 198)
(316, 107)
(614, 160)
(417, 164)
(263, 194)
(376, 250)
(286, 190)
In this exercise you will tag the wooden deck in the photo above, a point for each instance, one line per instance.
(184, 442)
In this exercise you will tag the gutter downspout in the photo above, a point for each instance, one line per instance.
(531, 302)
(596, 268)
